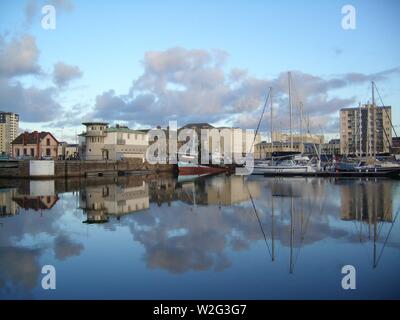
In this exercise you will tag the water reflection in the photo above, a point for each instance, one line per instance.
(189, 227)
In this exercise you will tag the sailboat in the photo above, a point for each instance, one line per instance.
(288, 164)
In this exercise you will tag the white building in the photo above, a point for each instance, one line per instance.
(101, 142)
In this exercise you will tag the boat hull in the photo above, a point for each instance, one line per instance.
(282, 170)
(194, 169)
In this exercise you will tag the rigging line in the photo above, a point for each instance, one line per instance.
(382, 222)
(259, 121)
(387, 237)
(390, 118)
(306, 226)
(259, 221)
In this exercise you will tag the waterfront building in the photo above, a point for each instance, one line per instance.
(365, 130)
(35, 145)
(67, 150)
(9, 127)
(332, 148)
(101, 142)
(265, 149)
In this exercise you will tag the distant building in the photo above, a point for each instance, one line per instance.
(101, 142)
(265, 149)
(306, 137)
(395, 145)
(332, 148)
(9, 127)
(35, 145)
(240, 141)
(67, 150)
(365, 130)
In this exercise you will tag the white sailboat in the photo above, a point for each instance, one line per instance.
(293, 164)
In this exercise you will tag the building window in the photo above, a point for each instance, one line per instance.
(25, 152)
(32, 152)
(48, 152)
(18, 153)
(47, 142)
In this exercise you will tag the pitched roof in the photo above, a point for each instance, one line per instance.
(31, 137)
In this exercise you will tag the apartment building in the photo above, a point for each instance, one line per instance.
(365, 130)
(101, 142)
(9, 127)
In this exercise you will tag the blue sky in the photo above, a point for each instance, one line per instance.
(108, 41)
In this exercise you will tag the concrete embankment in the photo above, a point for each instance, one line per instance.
(63, 169)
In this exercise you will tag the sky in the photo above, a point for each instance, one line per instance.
(144, 63)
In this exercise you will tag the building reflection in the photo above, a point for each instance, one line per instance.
(37, 195)
(7, 206)
(101, 202)
(219, 190)
(368, 202)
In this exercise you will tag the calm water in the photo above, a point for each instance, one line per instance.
(214, 238)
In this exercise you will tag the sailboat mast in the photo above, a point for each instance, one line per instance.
(291, 110)
(374, 116)
(272, 130)
(291, 234)
(301, 126)
(272, 227)
(360, 127)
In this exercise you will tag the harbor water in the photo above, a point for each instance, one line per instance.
(219, 237)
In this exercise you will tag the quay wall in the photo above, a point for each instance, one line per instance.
(69, 168)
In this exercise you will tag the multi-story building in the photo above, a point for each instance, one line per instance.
(101, 142)
(365, 130)
(35, 145)
(9, 127)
